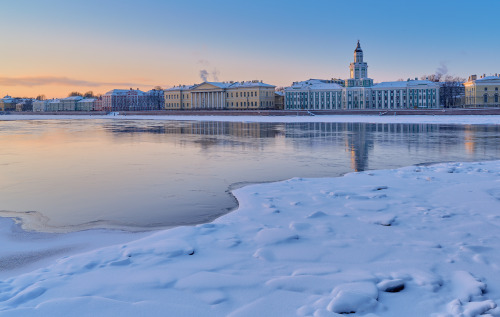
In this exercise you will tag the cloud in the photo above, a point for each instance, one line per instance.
(57, 81)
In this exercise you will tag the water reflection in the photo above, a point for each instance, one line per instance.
(159, 173)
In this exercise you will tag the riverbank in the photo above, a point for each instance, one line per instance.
(370, 112)
(414, 241)
(424, 119)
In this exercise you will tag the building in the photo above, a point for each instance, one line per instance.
(24, 105)
(178, 97)
(279, 100)
(125, 100)
(87, 104)
(54, 105)
(156, 99)
(359, 92)
(69, 103)
(483, 91)
(221, 95)
(40, 105)
(8, 103)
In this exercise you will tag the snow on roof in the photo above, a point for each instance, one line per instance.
(123, 92)
(404, 84)
(87, 100)
(247, 84)
(224, 85)
(180, 87)
(488, 78)
(314, 84)
(73, 98)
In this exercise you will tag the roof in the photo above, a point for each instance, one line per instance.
(404, 84)
(488, 78)
(248, 84)
(87, 100)
(123, 92)
(73, 98)
(314, 84)
(358, 48)
(180, 87)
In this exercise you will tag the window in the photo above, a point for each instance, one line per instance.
(485, 98)
(496, 88)
(485, 88)
(496, 98)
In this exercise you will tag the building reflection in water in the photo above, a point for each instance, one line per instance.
(357, 139)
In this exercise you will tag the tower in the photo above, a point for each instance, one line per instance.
(359, 69)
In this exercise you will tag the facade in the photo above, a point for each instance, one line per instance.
(178, 97)
(221, 95)
(125, 100)
(279, 100)
(156, 99)
(54, 105)
(87, 104)
(8, 103)
(69, 103)
(40, 105)
(483, 91)
(359, 92)
(24, 105)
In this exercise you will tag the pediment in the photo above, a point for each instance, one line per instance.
(206, 86)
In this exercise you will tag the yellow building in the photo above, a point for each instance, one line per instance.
(178, 97)
(221, 95)
(483, 91)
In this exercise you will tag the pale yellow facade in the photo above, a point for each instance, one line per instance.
(483, 91)
(178, 97)
(221, 95)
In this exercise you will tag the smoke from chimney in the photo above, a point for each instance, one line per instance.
(215, 74)
(203, 75)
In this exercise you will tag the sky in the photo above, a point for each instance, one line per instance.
(54, 47)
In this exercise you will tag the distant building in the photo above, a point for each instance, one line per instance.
(125, 100)
(178, 97)
(156, 99)
(87, 104)
(40, 105)
(54, 105)
(221, 95)
(359, 92)
(8, 103)
(279, 100)
(69, 103)
(483, 91)
(24, 105)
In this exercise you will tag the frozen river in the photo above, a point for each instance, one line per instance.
(66, 175)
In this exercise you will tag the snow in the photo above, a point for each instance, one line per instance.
(424, 119)
(414, 241)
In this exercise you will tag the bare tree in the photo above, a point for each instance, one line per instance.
(40, 97)
(89, 94)
(74, 93)
(451, 91)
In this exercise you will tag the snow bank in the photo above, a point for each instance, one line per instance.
(415, 241)
(444, 119)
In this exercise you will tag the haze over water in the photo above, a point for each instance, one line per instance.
(136, 174)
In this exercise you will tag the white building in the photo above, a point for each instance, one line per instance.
(40, 105)
(358, 92)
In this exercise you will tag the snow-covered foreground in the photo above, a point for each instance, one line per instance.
(457, 119)
(415, 241)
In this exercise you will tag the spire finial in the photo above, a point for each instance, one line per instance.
(358, 47)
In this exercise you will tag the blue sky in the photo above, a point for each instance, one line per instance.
(99, 45)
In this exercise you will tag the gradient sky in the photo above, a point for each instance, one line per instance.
(53, 47)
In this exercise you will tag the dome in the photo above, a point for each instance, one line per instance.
(358, 48)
